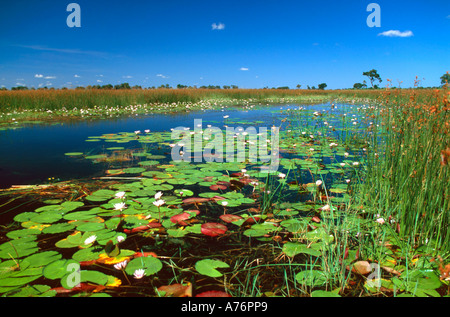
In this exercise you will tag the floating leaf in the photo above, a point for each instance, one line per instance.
(213, 294)
(320, 293)
(229, 218)
(208, 267)
(151, 265)
(111, 249)
(176, 290)
(292, 249)
(213, 229)
(312, 278)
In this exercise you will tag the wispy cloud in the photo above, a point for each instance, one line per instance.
(39, 76)
(63, 50)
(244, 69)
(128, 77)
(396, 33)
(77, 76)
(50, 77)
(448, 16)
(218, 26)
(162, 76)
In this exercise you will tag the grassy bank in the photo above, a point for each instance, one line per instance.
(57, 105)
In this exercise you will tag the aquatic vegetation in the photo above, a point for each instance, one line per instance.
(333, 220)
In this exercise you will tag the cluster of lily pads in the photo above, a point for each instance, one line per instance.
(114, 236)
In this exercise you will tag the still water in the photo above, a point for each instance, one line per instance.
(33, 154)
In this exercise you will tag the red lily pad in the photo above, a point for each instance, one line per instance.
(145, 254)
(217, 187)
(179, 219)
(195, 200)
(228, 218)
(213, 229)
(82, 287)
(176, 290)
(213, 294)
(150, 225)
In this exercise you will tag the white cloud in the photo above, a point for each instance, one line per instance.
(162, 76)
(99, 81)
(50, 77)
(20, 84)
(77, 76)
(127, 76)
(219, 26)
(396, 33)
(38, 76)
(244, 68)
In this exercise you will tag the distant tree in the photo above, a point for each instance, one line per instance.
(322, 86)
(180, 86)
(234, 87)
(308, 87)
(19, 88)
(357, 86)
(313, 88)
(3, 88)
(299, 86)
(445, 79)
(136, 87)
(122, 86)
(283, 87)
(373, 76)
(226, 87)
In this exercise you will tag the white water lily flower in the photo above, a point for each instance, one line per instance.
(319, 182)
(158, 195)
(147, 131)
(355, 163)
(120, 239)
(120, 206)
(138, 274)
(120, 195)
(159, 203)
(121, 265)
(281, 175)
(90, 240)
(346, 154)
(325, 208)
(224, 203)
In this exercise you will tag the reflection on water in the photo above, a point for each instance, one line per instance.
(32, 155)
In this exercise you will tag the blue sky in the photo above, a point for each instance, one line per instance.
(252, 44)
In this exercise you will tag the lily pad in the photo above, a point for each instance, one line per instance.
(208, 267)
(149, 264)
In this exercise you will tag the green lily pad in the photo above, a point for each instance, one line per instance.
(149, 264)
(208, 267)
(292, 249)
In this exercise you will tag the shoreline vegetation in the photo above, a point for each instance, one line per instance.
(35, 105)
(375, 222)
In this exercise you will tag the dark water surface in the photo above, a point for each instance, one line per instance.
(33, 154)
